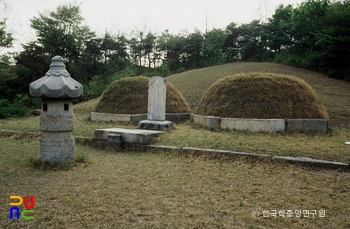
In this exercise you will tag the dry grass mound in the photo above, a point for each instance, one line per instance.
(261, 95)
(130, 96)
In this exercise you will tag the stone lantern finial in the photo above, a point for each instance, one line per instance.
(56, 83)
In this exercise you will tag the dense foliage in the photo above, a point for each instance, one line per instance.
(314, 35)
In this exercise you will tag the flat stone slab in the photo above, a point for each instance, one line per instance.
(211, 122)
(313, 162)
(133, 136)
(155, 125)
(136, 118)
(253, 125)
(95, 116)
(307, 125)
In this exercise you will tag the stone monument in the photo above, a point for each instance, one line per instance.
(156, 106)
(57, 89)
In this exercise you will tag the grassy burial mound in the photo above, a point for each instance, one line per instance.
(261, 95)
(130, 96)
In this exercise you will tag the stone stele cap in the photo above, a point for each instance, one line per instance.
(56, 83)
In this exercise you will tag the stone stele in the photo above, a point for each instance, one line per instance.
(156, 98)
(57, 89)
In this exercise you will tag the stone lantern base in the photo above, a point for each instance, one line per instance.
(57, 147)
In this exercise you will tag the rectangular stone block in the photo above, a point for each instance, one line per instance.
(198, 119)
(307, 125)
(57, 146)
(135, 136)
(181, 117)
(136, 118)
(57, 115)
(212, 122)
(171, 117)
(156, 98)
(253, 125)
(94, 116)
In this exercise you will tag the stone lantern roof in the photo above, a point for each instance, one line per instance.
(56, 83)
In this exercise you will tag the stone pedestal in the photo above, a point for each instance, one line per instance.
(57, 147)
(155, 125)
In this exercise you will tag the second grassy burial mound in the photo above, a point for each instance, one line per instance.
(130, 96)
(263, 96)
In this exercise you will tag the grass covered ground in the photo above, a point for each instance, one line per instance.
(123, 189)
(157, 190)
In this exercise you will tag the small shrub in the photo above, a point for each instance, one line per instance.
(130, 71)
(12, 109)
(94, 88)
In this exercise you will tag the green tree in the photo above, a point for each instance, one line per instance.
(173, 50)
(214, 49)
(6, 38)
(115, 56)
(231, 45)
(32, 63)
(307, 19)
(194, 47)
(90, 62)
(278, 29)
(7, 73)
(136, 45)
(149, 46)
(61, 33)
(252, 40)
(332, 42)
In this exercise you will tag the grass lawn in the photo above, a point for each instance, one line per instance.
(123, 189)
(157, 190)
(318, 146)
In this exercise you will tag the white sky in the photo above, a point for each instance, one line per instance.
(159, 15)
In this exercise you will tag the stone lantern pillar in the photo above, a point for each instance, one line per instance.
(57, 89)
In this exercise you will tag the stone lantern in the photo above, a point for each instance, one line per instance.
(57, 89)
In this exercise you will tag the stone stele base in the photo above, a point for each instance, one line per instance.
(155, 125)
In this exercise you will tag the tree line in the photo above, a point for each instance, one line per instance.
(314, 35)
